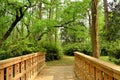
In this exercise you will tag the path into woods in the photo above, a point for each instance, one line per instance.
(58, 70)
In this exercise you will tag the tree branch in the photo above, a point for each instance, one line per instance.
(40, 36)
(66, 23)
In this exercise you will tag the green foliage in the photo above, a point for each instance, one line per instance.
(19, 48)
(53, 51)
(114, 51)
(69, 49)
(104, 45)
(111, 49)
(75, 10)
(114, 21)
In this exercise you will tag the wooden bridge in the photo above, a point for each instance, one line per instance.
(32, 67)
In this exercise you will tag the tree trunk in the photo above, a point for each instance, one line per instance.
(95, 44)
(50, 17)
(106, 19)
(56, 29)
(40, 9)
(7, 34)
(90, 22)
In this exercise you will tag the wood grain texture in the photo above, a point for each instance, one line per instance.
(94, 69)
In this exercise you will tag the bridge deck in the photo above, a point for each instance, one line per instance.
(57, 73)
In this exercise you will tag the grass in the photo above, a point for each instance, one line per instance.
(69, 60)
(65, 61)
(106, 58)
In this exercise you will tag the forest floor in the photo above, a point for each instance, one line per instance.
(58, 70)
(65, 61)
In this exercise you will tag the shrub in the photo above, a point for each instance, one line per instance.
(104, 48)
(19, 48)
(70, 48)
(114, 52)
(53, 51)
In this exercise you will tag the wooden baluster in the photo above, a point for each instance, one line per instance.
(107, 77)
(30, 69)
(2, 74)
(33, 65)
(27, 67)
(98, 74)
(37, 64)
(22, 66)
(83, 75)
(88, 70)
(17, 70)
(83, 70)
(9, 72)
(92, 72)
(23, 77)
(22, 69)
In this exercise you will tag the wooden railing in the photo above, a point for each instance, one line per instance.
(89, 68)
(22, 68)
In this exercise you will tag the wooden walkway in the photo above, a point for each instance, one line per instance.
(57, 73)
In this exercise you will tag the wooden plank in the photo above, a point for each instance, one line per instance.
(27, 64)
(116, 76)
(23, 77)
(98, 74)
(23, 63)
(2, 74)
(92, 71)
(9, 62)
(17, 69)
(9, 73)
(106, 65)
(22, 66)
(107, 77)
(28, 75)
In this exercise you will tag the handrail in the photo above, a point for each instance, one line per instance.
(89, 68)
(22, 68)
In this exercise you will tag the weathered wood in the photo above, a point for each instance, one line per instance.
(22, 68)
(17, 69)
(91, 68)
(107, 77)
(92, 71)
(98, 74)
(2, 74)
(9, 73)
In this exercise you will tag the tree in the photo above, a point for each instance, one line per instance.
(95, 43)
(114, 20)
(16, 11)
(106, 19)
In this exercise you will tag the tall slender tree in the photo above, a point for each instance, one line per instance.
(106, 19)
(95, 42)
